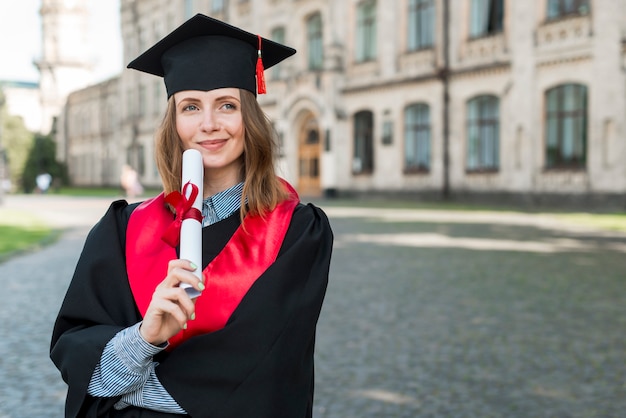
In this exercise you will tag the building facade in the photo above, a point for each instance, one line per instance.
(438, 97)
(64, 65)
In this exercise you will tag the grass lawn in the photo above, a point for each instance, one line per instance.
(605, 221)
(20, 231)
(101, 191)
(610, 221)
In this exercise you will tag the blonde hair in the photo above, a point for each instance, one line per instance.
(262, 190)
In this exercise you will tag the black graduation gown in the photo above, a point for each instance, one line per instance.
(259, 365)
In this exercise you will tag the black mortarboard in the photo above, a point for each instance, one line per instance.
(206, 54)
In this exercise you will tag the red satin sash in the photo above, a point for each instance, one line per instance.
(227, 278)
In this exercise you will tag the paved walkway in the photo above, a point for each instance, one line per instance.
(428, 314)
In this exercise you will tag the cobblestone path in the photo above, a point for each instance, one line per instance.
(428, 314)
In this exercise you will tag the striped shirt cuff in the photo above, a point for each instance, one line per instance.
(133, 350)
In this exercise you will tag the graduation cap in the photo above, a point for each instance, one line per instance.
(206, 54)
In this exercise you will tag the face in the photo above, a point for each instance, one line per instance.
(211, 122)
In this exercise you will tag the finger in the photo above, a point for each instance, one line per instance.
(178, 276)
(161, 310)
(176, 296)
(182, 263)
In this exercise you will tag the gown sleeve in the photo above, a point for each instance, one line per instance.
(97, 306)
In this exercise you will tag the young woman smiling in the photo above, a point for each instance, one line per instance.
(129, 340)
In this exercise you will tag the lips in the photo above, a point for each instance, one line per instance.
(212, 144)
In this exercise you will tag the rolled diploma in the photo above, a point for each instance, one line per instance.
(191, 229)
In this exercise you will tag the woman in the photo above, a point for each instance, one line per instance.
(129, 341)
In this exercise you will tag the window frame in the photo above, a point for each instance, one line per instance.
(563, 12)
(481, 26)
(482, 134)
(420, 12)
(315, 40)
(366, 31)
(578, 118)
(415, 128)
(278, 35)
(363, 142)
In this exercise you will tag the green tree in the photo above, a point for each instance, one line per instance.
(17, 142)
(42, 159)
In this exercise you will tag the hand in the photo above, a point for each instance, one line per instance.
(170, 307)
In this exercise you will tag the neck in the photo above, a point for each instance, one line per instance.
(215, 183)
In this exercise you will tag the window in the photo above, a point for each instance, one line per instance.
(486, 17)
(483, 132)
(217, 6)
(363, 161)
(278, 35)
(560, 8)
(566, 126)
(157, 88)
(421, 24)
(313, 137)
(143, 101)
(130, 103)
(135, 158)
(417, 137)
(366, 31)
(188, 8)
(314, 42)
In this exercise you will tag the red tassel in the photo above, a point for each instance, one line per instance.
(260, 72)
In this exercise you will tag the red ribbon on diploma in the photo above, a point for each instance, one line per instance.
(184, 210)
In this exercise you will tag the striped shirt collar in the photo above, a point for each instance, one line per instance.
(221, 205)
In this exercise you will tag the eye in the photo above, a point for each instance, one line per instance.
(229, 106)
(190, 108)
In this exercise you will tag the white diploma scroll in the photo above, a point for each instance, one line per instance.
(191, 229)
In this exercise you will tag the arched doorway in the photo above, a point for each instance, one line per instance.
(309, 151)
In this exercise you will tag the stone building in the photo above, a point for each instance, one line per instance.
(500, 98)
(64, 65)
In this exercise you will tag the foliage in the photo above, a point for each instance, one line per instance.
(27, 154)
(42, 159)
(17, 142)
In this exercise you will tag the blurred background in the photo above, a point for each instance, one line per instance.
(491, 100)
(457, 146)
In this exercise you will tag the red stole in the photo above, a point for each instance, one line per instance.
(227, 278)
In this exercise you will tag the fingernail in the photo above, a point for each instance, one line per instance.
(193, 266)
(193, 316)
(201, 285)
(185, 326)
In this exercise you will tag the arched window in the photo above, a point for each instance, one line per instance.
(421, 24)
(314, 42)
(366, 31)
(566, 126)
(417, 137)
(363, 160)
(483, 134)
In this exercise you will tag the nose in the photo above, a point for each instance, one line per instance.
(209, 121)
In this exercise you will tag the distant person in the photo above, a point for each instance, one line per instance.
(128, 340)
(130, 182)
(43, 181)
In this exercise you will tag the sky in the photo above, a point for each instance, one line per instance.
(20, 39)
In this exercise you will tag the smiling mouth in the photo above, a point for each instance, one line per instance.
(212, 143)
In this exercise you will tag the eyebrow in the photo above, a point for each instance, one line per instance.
(217, 99)
(226, 97)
